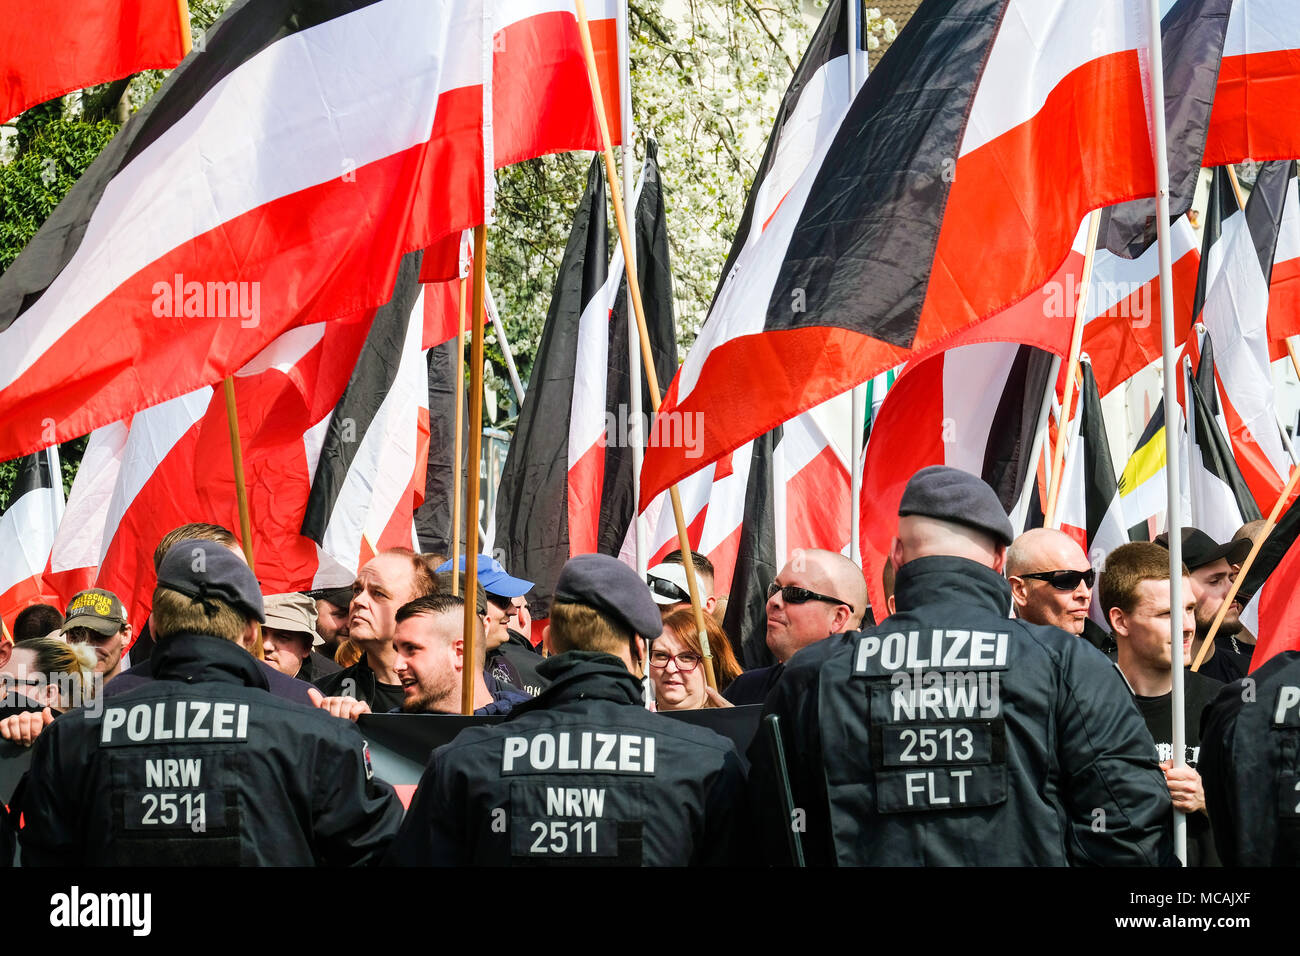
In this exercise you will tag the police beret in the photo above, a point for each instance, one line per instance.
(950, 494)
(205, 569)
(607, 585)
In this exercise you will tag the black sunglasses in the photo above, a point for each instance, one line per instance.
(1063, 580)
(666, 589)
(796, 595)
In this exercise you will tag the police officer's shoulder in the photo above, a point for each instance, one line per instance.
(1259, 686)
(807, 662)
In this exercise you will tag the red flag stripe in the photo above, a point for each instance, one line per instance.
(49, 49)
(1258, 85)
(541, 93)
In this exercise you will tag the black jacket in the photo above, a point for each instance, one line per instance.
(360, 683)
(202, 766)
(1018, 745)
(1250, 765)
(580, 774)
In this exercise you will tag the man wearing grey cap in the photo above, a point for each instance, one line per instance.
(201, 766)
(952, 734)
(581, 774)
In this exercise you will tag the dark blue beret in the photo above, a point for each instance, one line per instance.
(951, 494)
(205, 569)
(609, 586)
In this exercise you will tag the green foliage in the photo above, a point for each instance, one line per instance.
(51, 157)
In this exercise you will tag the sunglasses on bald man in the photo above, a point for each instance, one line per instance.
(1063, 580)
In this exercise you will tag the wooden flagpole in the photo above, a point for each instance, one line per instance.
(1071, 369)
(1245, 566)
(187, 43)
(458, 443)
(468, 670)
(647, 357)
(241, 489)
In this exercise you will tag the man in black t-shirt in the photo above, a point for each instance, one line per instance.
(1135, 597)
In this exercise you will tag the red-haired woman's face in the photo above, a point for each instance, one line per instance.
(676, 669)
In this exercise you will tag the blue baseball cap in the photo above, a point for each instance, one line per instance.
(493, 577)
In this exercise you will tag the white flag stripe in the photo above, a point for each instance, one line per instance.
(1038, 45)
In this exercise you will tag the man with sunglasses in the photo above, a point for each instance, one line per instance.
(1051, 579)
(952, 734)
(817, 594)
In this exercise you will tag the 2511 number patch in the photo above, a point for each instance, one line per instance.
(191, 810)
(572, 838)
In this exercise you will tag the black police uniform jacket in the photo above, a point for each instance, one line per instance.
(581, 774)
(203, 766)
(950, 734)
(1250, 765)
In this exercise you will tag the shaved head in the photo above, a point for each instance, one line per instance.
(1044, 549)
(922, 537)
(1042, 602)
(841, 603)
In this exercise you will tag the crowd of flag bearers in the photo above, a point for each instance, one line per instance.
(692, 617)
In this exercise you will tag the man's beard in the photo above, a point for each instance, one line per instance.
(430, 700)
(1231, 623)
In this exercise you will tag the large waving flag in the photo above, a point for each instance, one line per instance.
(27, 530)
(900, 233)
(974, 408)
(275, 180)
(1235, 315)
(48, 49)
(1258, 85)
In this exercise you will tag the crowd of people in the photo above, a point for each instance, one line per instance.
(1010, 704)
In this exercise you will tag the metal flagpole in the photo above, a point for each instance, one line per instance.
(640, 533)
(508, 355)
(1170, 369)
(858, 416)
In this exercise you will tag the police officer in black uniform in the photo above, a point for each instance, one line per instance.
(952, 734)
(581, 774)
(203, 765)
(1250, 764)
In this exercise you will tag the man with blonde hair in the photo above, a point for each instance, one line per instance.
(165, 774)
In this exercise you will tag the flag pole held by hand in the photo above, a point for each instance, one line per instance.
(647, 358)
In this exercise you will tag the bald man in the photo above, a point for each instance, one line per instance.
(1051, 579)
(817, 594)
